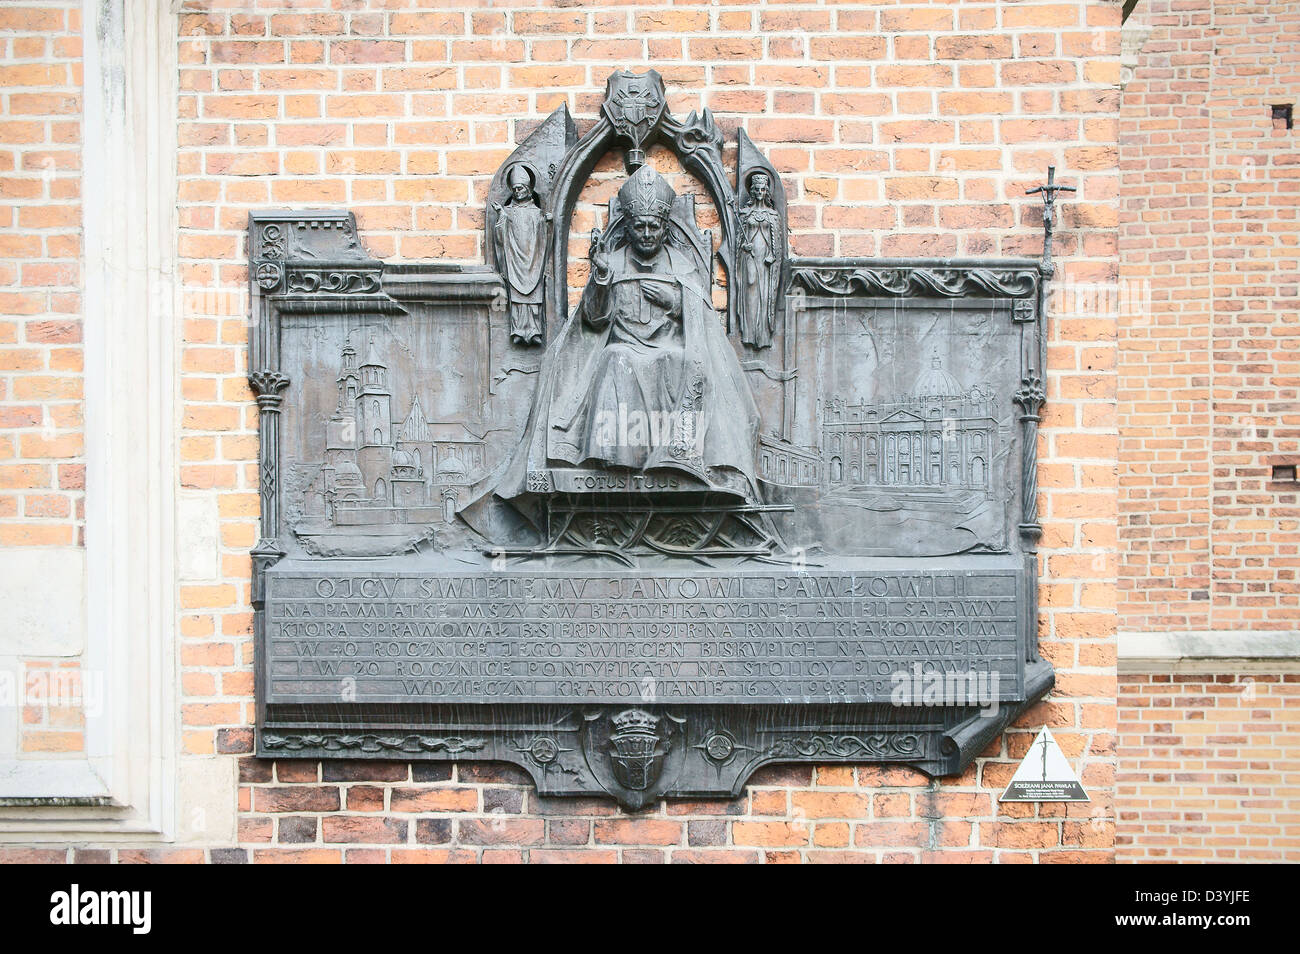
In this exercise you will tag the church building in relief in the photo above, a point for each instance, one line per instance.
(942, 436)
(380, 470)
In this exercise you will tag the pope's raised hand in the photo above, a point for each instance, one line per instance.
(599, 260)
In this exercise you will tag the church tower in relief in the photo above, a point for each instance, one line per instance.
(375, 416)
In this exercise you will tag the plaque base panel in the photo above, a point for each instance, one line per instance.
(697, 751)
(646, 683)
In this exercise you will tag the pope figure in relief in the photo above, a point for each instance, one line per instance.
(642, 375)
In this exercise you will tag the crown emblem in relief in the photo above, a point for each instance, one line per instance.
(636, 750)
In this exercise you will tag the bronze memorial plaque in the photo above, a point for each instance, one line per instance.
(705, 507)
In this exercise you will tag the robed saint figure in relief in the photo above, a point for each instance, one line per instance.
(520, 237)
(760, 264)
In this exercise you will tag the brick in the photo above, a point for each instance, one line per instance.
(344, 829)
(296, 829)
(769, 834)
(435, 800)
(433, 831)
(438, 856)
(557, 856)
(976, 47)
(297, 856)
(502, 831)
(920, 19)
(641, 831)
(831, 804)
(427, 24)
(296, 799)
(891, 834)
(156, 856)
(715, 856)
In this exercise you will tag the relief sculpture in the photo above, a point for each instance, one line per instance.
(520, 237)
(642, 376)
(760, 271)
(761, 249)
(706, 508)
(640, 381)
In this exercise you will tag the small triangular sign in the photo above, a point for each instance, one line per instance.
(1044, 775)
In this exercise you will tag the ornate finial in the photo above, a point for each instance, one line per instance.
(634, 105)
(1031, 394)
(1048, 191)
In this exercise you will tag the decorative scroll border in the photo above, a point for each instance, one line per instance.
(875, 746)
(908, 281)
(411, 743)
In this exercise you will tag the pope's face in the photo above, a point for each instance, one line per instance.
(521, 192)
(648, 233)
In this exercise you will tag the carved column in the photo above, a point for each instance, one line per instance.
(267, 385)
(1030, 397)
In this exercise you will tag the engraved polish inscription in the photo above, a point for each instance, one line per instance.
(706, 638)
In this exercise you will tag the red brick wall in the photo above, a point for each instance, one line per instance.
(1207, 767)
(1209, 374)
(910, 130)
(41, 469)
(898, 129)
(1208, 385)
